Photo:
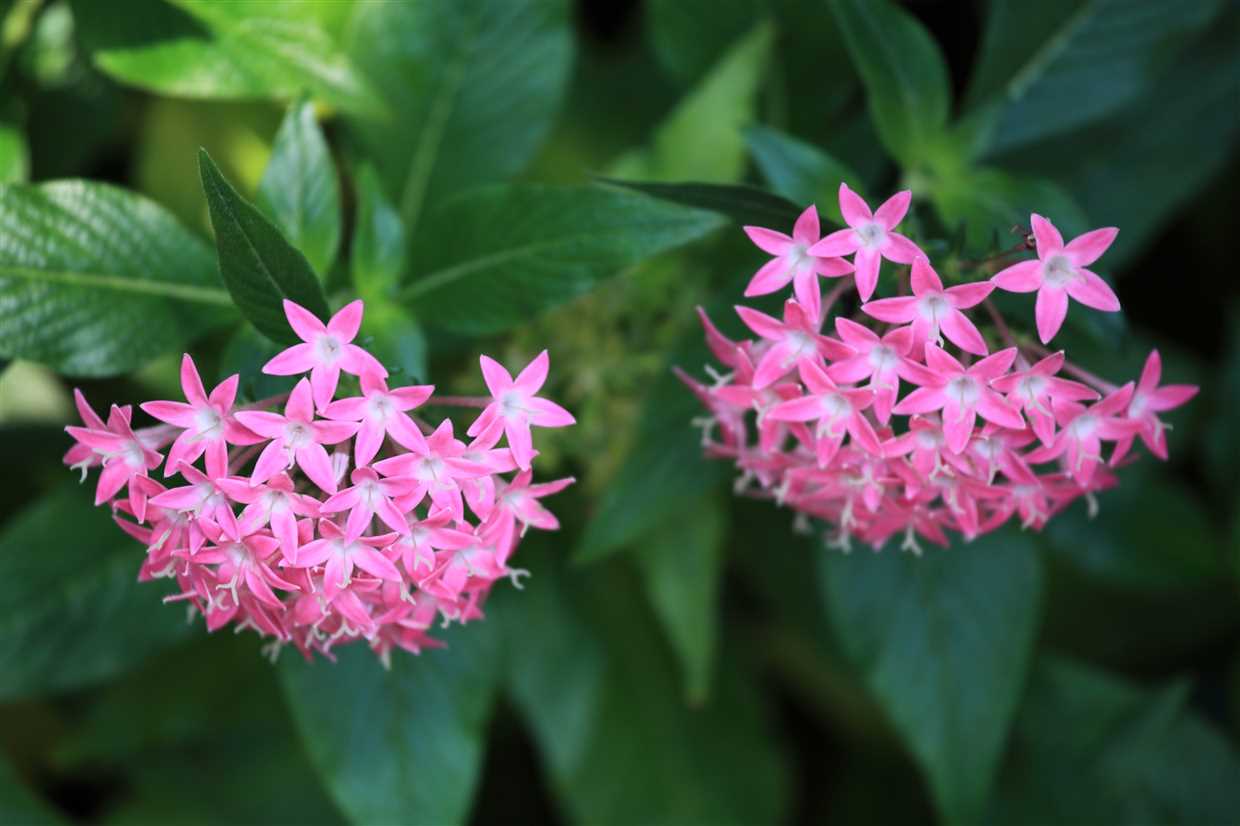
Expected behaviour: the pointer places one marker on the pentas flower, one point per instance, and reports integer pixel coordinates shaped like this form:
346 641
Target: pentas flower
1060 272
335 520
516 406
823 427
935 311
869 237
793 262
326 350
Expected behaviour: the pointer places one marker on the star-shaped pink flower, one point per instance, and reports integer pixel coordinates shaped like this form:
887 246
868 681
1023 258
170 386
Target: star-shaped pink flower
836 410
339 553
208 422
881 360
793 262
963 394
370 496
1060 272
1148 400
381 412
870 236
794 340
1035 390
1082 430
296 438
275 503
325 350
517 407
933 310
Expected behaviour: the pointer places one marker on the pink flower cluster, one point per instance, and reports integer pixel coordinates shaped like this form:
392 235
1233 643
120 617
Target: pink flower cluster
318 520
818 423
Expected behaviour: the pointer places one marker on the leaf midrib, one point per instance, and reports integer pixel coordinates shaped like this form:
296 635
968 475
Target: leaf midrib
120 283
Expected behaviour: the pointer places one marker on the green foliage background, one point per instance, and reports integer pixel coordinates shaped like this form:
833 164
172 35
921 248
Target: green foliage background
504 175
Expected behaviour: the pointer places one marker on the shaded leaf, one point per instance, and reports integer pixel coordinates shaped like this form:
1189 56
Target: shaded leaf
472 88
944 642
682 563
904 73
701 140
496 257
245 353
14 154
377 257
1075 61
742 204
237 50
406 741
299 190
260 268
96 281
72 609
20 805
800 172
1113 753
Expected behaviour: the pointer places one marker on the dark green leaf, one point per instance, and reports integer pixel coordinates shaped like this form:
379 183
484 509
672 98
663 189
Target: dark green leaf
498 256
682 562
395 337
14 155
96 281
399 743
1149 534
598 687
236 50
299 190
1090 748
72 609
1075 61
259 266
245 353
473 88
904 73
802 173
944 641
19 805
702 139
743 204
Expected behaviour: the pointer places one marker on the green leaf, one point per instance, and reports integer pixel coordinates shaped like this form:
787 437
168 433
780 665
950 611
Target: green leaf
20 805
1076 61
391 744
260 268
690 37
702 140
96 281
598 687
682 563
245 353
395 337
1137 168
473 88
498 256
1113 753
14 154
377 257
237 50
1149 535
944 642
987 203
904 73
72 607
299 190
742 204
802 173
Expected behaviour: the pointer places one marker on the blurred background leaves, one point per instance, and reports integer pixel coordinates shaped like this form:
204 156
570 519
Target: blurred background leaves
508 175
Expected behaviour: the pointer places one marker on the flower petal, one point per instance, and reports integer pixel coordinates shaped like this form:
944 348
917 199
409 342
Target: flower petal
304 323
1052 307
1024 277
768 240
892 310
1048 238
866 262
856 211
1084 250
894 209
1092 291
345 324
807 229
840 242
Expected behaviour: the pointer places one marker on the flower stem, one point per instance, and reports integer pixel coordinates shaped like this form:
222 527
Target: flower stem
459 401
1081 373
1000 324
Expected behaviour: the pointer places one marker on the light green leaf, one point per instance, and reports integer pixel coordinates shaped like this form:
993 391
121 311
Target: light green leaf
236 50
1075 61
904 73
802 173
496 257
259 266
96 281
742 204
1113 753
944 642
394 336
14 155
399 743
72 611
702 140
472 88
682 563
245 353
377 257
299 190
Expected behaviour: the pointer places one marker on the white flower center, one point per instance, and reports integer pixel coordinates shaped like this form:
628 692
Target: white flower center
802 343
1083 426
328 349
512 403
379 407
297 434
836 406
882 358
963 390
1059 270
208 422
1032 388
933 306
872 234
798 255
